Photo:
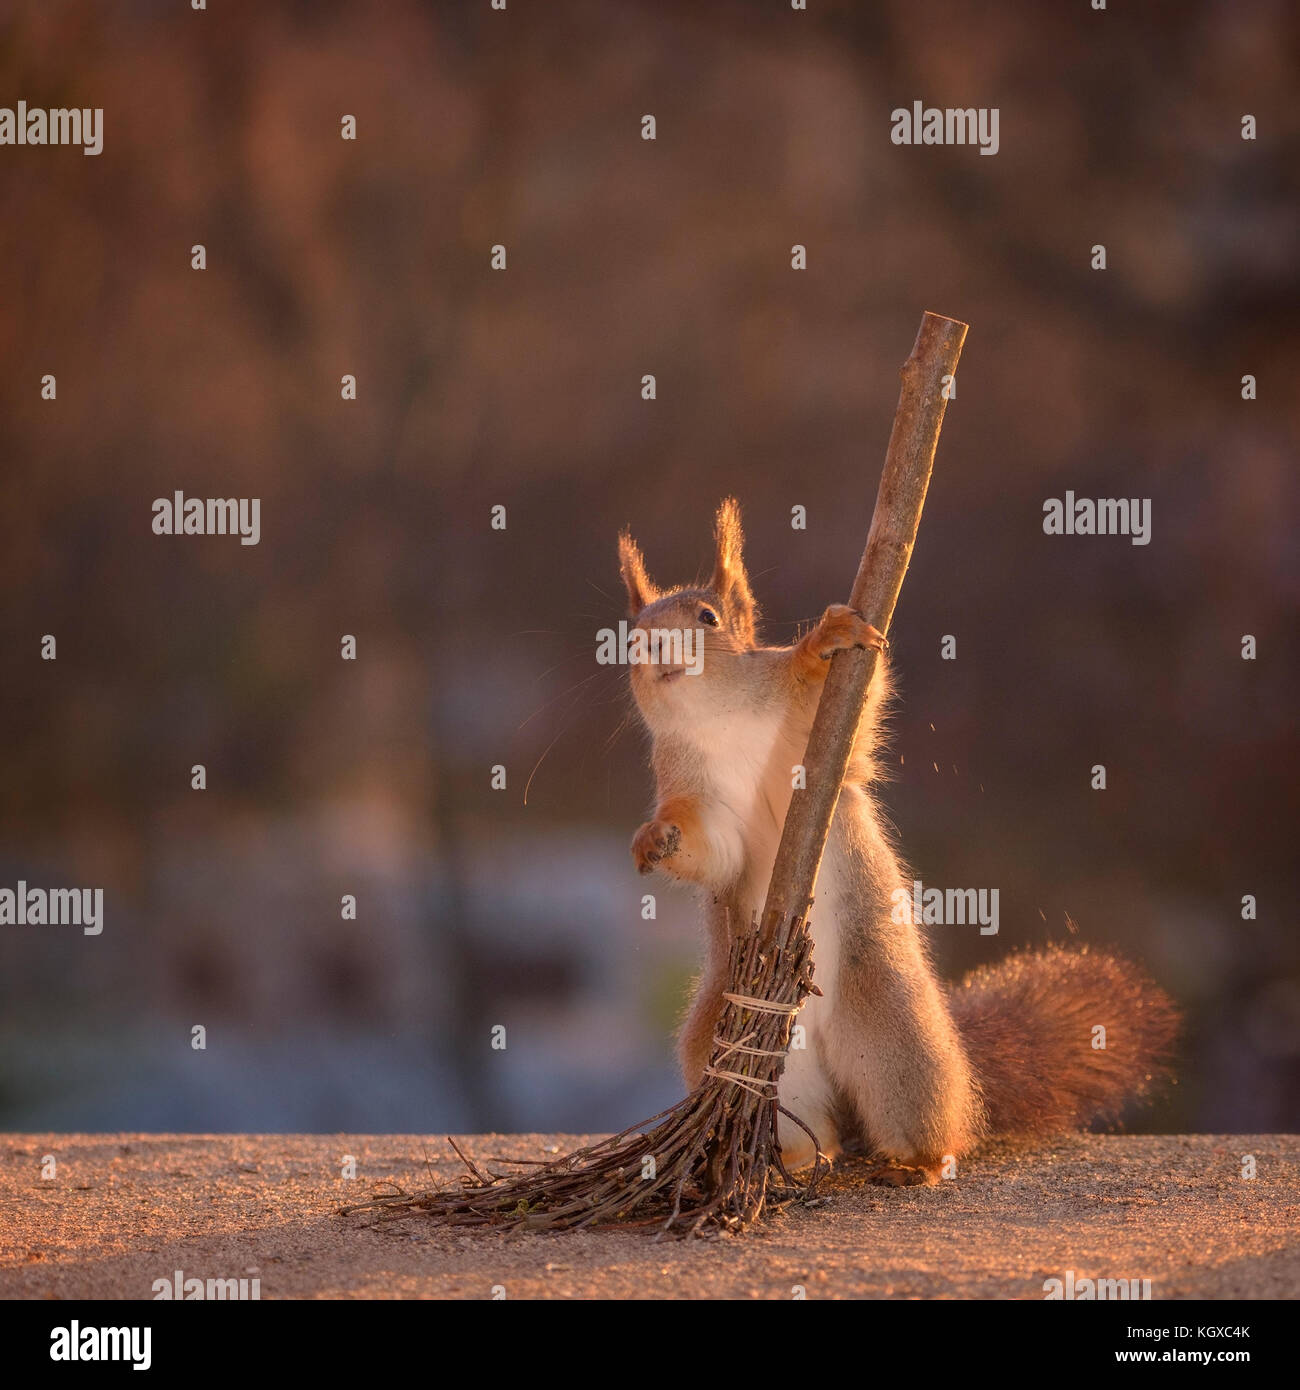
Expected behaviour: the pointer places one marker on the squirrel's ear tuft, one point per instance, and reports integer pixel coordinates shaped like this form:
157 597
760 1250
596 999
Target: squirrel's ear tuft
730 582
631 565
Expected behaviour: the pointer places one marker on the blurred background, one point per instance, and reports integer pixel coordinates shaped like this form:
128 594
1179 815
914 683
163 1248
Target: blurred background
477 388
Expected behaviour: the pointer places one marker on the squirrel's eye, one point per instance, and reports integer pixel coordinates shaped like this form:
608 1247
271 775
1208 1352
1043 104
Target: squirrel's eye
707 615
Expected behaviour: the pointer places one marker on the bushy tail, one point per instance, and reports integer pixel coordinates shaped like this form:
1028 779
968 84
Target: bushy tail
1028 1025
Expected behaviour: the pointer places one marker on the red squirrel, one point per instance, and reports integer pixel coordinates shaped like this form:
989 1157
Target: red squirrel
915 1072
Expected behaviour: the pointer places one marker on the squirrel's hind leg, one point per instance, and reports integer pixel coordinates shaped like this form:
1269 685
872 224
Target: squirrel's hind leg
895 1056
889 1044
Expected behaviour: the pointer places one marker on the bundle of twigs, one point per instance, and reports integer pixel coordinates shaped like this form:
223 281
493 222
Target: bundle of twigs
712 1161
706 1162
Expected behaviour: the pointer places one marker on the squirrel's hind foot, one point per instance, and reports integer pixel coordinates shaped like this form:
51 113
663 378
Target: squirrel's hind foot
902 1175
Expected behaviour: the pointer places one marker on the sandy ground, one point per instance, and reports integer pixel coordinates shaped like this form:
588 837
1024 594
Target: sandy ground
124 1210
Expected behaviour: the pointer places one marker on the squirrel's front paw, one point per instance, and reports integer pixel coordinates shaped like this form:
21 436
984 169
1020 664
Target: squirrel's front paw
655 841
841 628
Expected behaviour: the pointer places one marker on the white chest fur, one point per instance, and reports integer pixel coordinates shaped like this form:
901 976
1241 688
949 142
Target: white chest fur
750 772
746 765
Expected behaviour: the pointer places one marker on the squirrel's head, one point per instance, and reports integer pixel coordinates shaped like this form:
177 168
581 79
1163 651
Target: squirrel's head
689 637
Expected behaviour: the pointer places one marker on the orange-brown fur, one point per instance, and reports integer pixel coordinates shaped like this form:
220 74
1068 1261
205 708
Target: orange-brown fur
1021 1021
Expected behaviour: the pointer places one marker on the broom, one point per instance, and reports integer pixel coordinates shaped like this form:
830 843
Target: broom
712 1162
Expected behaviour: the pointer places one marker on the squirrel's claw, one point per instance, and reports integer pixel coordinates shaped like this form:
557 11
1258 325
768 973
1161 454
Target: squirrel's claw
875 639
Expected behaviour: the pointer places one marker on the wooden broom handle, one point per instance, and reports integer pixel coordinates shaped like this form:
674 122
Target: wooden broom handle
894 524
